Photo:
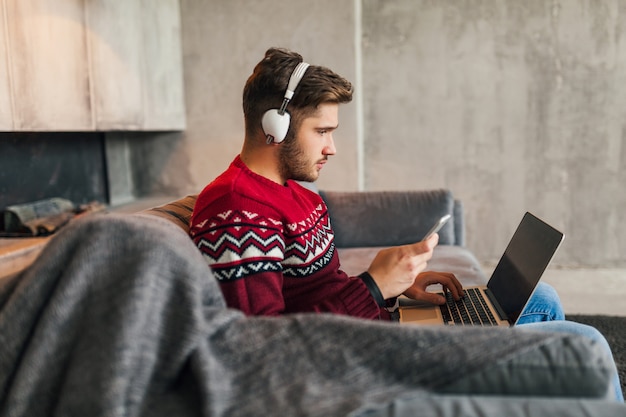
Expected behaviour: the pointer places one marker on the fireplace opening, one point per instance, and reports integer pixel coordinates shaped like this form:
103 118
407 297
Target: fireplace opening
114 168
41 165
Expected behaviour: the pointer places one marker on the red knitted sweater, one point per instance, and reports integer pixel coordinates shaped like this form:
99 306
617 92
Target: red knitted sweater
271 248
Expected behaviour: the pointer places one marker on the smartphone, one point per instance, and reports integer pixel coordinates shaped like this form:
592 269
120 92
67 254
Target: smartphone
437 226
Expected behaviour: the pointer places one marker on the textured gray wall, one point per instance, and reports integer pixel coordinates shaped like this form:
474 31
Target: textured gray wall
514 105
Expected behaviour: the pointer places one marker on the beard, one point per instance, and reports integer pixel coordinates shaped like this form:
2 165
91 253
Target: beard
294 164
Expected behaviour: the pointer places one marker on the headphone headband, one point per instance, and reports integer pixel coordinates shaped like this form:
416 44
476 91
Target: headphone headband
295 78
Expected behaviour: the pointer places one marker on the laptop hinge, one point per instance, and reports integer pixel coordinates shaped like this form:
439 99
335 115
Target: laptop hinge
496 305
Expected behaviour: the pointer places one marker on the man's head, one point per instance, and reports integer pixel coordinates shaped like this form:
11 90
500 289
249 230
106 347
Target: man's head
265 89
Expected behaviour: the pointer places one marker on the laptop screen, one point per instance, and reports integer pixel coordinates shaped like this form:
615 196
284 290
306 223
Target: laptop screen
524 261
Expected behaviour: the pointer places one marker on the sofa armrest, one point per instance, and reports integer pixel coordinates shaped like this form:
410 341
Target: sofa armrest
389 218
179 211
433 405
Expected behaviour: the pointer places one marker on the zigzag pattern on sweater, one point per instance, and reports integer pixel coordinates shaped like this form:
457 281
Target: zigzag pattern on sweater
238 244
234 272
228 273
305 270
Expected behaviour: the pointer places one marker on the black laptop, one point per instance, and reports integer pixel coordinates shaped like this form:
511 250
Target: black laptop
511 285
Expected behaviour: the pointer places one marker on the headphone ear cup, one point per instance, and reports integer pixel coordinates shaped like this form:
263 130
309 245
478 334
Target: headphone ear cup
275 124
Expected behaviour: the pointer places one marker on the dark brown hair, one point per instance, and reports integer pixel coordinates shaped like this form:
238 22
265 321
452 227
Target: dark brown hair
265 89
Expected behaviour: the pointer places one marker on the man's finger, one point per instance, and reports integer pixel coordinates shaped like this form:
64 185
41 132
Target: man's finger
424 246
454 286
447 280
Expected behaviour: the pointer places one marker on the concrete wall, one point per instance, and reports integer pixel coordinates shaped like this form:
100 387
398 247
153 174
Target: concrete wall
514 105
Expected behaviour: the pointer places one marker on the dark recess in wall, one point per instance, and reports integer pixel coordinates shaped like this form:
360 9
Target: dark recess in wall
39 165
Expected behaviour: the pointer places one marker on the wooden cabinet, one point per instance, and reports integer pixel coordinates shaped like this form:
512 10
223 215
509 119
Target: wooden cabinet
85 65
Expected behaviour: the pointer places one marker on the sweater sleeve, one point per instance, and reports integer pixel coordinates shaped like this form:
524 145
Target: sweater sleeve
353 299
261 294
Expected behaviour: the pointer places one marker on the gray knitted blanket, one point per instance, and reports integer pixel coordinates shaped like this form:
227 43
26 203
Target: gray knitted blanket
120 316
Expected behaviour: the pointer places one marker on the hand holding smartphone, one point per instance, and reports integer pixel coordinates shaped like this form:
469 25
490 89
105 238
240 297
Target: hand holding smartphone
437 226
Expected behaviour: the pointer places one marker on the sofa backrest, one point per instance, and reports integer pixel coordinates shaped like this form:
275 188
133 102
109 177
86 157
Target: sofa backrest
365 218
390 218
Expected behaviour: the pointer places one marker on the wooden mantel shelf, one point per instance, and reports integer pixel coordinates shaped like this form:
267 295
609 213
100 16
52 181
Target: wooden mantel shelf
18 253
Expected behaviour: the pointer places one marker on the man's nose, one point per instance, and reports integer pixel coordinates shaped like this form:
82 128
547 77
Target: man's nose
330 149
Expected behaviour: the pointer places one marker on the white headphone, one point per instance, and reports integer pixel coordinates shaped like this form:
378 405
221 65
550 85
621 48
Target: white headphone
275 122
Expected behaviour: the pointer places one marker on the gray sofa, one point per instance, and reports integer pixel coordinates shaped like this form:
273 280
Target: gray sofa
120 316
366 221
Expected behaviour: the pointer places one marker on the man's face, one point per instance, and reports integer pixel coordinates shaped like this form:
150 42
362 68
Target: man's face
302 158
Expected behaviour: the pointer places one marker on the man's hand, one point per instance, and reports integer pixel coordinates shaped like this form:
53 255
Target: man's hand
395 269
449 282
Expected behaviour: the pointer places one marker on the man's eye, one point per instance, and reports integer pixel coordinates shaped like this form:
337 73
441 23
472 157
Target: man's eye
322 132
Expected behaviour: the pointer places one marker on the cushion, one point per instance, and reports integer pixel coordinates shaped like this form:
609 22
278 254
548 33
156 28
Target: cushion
446 258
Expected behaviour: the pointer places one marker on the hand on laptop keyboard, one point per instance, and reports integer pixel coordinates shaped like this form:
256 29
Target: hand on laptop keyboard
449 282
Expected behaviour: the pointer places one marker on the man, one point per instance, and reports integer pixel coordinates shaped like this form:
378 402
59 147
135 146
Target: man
268 239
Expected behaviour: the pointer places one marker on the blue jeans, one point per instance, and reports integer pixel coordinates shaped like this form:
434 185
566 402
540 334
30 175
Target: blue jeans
544 312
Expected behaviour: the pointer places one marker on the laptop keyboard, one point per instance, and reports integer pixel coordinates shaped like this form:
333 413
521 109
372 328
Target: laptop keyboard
470 310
